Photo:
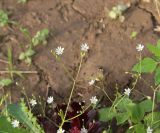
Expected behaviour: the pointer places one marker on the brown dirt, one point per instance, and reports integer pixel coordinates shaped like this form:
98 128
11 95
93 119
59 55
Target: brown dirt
71 23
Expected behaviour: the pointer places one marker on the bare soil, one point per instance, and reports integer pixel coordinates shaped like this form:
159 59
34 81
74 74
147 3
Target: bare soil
73 22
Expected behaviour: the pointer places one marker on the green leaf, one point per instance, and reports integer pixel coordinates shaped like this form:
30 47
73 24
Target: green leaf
5 82
22 56
28 60
106 114
40 37
156 119
3 18
6 127
26 33
154 50
146 105
147 65
121 118
139 128
30 52
135 112
22 114
157 76
122 104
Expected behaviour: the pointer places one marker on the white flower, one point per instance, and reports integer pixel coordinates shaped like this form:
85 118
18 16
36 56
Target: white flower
149 130
15 123
140 47
127 91
33 102
59 50
94 100
60 130
84 47
50 100
91 82
83 130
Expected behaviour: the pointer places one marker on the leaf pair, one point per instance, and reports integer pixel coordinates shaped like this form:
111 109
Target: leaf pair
40 37
27 55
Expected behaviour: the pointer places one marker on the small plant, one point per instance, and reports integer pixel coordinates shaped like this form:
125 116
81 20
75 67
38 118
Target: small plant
39 38
117 12
3 18
133 35
11 71
63 115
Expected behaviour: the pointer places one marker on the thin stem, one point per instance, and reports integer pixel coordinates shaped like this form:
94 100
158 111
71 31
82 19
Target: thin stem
24 93
51 121
140 58
16 71
147 83
134 85
10 62
42 108
77 115
140 93
73 87
153 105
119 101
104 93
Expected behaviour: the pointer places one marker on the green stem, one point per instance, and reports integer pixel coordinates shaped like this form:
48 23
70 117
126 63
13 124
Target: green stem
104 93
77 115
153 105
73 87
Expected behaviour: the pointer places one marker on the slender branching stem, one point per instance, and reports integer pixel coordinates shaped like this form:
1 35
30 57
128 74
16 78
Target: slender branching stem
78 114
72 90
104 93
